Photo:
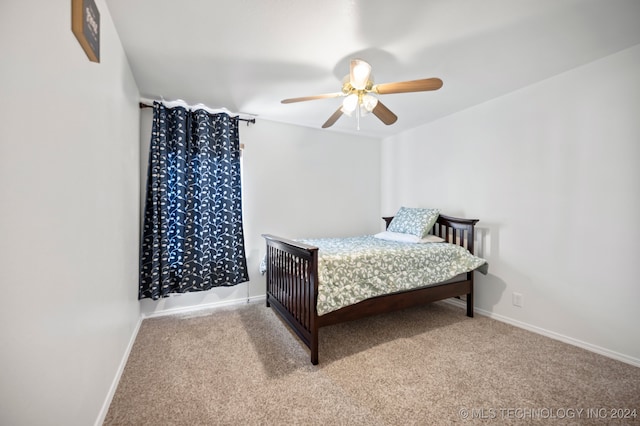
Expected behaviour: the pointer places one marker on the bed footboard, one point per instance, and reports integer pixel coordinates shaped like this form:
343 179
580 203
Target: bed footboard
292 271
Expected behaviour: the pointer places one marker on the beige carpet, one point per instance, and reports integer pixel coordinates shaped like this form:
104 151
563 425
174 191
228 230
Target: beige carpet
422 366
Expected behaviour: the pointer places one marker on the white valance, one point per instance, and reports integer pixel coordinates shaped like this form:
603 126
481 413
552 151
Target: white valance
181 103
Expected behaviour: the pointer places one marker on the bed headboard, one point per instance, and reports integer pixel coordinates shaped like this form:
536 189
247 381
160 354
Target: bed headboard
454 230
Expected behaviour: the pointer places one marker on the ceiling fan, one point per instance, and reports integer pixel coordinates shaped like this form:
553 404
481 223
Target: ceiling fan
359 90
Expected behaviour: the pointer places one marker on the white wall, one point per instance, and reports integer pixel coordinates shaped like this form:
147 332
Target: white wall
297 182
553 173
69 184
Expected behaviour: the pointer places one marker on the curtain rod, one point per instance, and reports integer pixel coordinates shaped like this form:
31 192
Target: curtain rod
248 120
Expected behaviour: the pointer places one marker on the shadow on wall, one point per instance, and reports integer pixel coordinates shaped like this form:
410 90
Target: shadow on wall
489 288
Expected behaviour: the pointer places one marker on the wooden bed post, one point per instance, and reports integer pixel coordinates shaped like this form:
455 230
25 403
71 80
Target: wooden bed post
313 278
470 299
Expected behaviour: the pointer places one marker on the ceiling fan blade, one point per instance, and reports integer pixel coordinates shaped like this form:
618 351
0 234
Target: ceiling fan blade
422 85
311 98
384 114
334 117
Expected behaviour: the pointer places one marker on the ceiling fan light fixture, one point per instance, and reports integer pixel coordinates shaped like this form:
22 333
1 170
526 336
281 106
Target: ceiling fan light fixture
360 94
349 104
369 102
360 72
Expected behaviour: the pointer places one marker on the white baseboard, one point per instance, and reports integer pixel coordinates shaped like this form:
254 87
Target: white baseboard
552 334
206 306
114 384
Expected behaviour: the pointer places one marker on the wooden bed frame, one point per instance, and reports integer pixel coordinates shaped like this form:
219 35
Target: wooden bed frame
292 284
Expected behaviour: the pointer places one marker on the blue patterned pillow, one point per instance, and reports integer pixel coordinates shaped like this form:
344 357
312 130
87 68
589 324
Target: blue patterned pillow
414 221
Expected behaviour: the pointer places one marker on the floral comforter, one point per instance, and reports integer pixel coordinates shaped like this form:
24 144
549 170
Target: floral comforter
353 269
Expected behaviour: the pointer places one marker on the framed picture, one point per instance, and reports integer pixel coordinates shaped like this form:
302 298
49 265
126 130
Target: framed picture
85 24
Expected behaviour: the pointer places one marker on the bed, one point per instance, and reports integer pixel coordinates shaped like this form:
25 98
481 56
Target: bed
294 286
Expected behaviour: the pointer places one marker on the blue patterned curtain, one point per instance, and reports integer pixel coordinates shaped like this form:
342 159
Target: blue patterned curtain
192 236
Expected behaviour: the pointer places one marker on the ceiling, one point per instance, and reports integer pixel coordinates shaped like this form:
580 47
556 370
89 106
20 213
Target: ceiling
248 55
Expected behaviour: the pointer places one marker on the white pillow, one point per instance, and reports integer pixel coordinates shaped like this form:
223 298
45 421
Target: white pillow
397 236
407 238
431 239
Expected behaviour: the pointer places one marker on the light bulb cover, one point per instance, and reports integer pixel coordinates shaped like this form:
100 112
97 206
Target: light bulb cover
369 102
359 74
350 103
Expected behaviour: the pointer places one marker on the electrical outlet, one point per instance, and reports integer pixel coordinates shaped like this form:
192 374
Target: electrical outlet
517 299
